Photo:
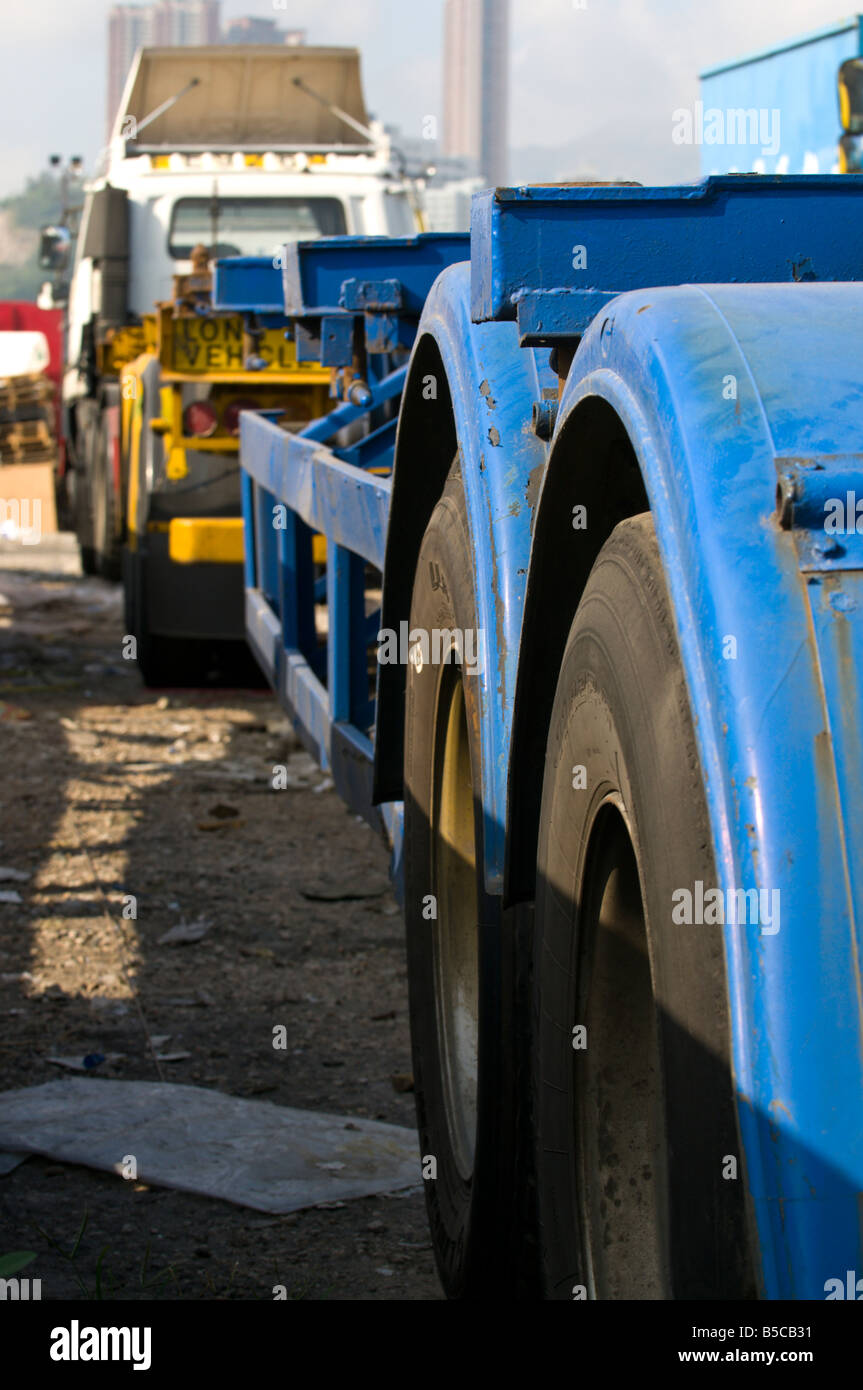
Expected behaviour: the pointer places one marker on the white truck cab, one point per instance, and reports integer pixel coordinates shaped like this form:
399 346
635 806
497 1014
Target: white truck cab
241 149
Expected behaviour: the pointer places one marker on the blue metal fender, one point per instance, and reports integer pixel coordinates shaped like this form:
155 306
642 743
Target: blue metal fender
492 385
725 392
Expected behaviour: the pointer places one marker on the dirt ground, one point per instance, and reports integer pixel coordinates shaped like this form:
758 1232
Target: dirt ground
111 790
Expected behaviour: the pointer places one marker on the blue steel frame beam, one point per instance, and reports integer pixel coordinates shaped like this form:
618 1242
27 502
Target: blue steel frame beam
551 258
248 285
339 274
350 506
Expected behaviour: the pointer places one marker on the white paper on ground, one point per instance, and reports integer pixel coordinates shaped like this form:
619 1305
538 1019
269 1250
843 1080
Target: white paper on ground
250 1152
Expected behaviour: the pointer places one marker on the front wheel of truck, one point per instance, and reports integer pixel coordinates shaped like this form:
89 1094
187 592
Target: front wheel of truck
106 507
640 1174
79 484
161 660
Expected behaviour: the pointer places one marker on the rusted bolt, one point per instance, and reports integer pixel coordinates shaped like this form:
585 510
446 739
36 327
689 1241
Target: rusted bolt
544 417
786 496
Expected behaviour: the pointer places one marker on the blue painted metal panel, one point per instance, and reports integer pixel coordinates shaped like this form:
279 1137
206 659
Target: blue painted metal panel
549 257
316 272
777 725
248 284
336 340
799 82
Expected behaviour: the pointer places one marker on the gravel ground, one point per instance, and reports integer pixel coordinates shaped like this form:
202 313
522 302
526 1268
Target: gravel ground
112 791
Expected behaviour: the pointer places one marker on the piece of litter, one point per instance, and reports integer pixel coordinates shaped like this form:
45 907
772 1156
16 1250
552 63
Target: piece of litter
324 786
13 876
340 890
383 1270
159 1039
87 1063
249 1152
185 933
172 1056
9 895
333 1167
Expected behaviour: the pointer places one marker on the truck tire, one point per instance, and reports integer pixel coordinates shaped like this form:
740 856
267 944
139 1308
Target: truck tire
106 522
452 927
162 661
80 503
634 1118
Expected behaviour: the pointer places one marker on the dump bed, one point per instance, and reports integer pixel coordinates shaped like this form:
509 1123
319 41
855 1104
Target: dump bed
244 96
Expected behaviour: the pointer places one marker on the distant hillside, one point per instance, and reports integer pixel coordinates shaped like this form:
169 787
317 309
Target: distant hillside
21 216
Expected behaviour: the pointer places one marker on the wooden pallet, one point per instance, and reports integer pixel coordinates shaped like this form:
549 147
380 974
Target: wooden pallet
25 432
16 391
38 451
38 410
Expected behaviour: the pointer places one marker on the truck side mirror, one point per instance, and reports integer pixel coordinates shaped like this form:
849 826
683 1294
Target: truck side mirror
54 247
851 154
851 96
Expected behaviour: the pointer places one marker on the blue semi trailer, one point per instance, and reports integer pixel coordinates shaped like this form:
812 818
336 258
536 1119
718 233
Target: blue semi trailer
592 661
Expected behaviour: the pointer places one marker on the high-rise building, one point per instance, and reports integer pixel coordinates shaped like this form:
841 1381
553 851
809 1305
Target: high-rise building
129 27
252 29
476 84
169 22
186 22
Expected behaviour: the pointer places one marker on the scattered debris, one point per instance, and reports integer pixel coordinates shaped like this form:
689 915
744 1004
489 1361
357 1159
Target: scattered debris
345 890
185 933
13 712
88 1063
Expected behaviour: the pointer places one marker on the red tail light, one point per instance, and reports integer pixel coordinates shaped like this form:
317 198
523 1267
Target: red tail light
200 419
231 417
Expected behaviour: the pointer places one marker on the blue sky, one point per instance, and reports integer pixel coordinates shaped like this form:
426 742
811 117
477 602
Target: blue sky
593 82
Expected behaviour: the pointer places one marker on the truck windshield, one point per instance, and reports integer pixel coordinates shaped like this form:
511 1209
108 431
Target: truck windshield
250 226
